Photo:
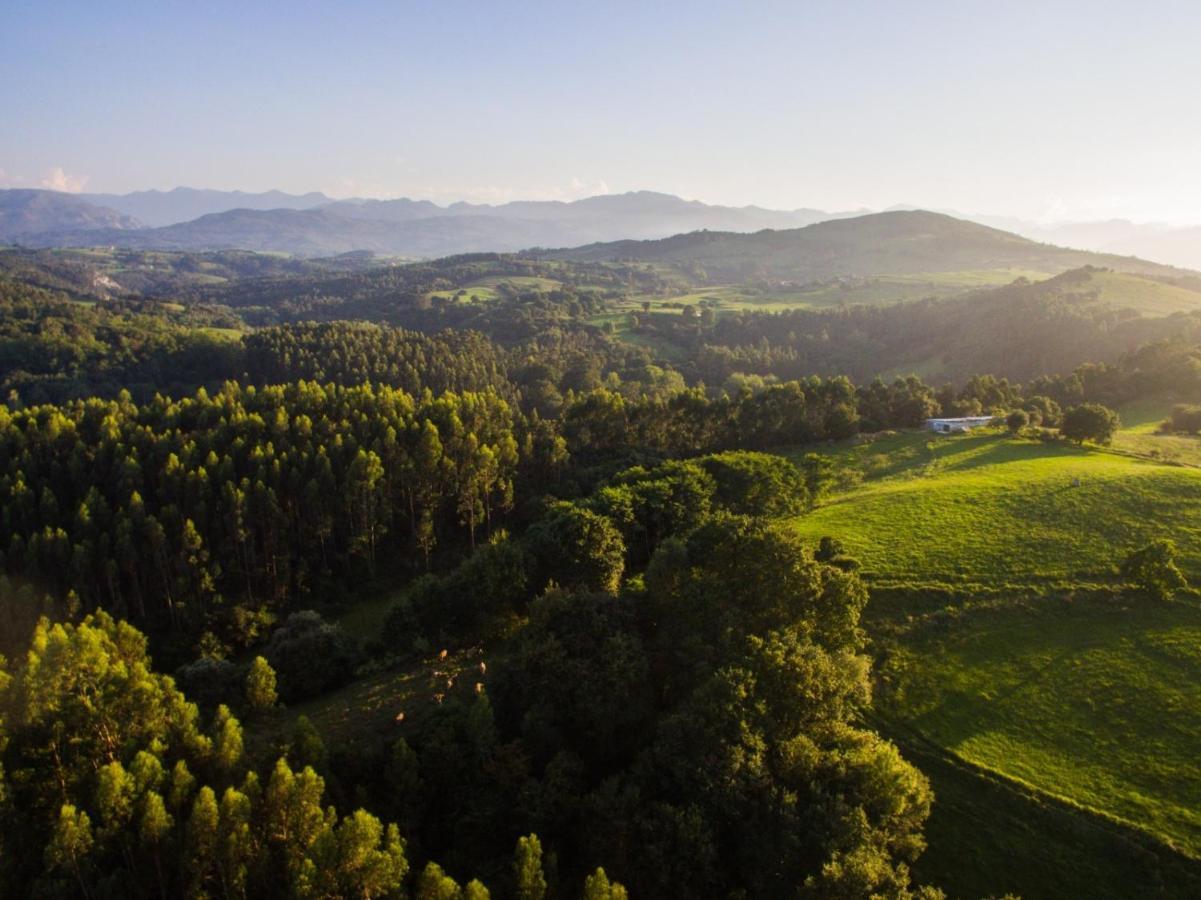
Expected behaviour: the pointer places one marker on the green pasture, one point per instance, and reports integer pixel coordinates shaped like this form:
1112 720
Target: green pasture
1095 702
986 508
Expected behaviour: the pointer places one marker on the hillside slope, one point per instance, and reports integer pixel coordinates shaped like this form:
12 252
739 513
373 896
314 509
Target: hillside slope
1006 638
901 242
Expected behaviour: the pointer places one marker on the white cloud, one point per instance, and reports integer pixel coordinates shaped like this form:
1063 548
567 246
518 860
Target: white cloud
8 180
58 180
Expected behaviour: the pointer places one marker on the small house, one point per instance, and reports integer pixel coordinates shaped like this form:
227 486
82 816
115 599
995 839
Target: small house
957 426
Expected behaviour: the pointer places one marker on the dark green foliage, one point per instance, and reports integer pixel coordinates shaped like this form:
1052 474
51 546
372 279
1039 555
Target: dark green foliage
1089 422
209 682
159 512
1017 420
1153 569
576 549
1043 411
579 683
1184 420
475 600
310 656
756 484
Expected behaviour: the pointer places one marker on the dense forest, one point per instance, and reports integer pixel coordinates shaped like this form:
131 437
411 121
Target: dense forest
635 676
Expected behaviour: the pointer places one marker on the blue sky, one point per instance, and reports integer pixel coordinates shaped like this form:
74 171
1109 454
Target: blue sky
1059 110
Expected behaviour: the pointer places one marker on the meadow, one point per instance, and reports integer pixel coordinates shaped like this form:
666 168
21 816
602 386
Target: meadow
1054 710
485 290
989 509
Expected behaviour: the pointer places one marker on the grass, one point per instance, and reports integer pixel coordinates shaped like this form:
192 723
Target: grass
1140 434
1152 298
1059 730
987 836
485 290
989 509
1094 702
837 292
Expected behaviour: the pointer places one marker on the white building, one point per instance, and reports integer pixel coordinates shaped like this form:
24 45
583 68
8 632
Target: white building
957 426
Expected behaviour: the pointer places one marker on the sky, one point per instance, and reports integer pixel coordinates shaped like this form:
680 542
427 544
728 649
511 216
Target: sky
1049 110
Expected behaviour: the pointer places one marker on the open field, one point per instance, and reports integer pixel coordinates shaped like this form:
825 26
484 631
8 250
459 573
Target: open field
1096 702
487 289
1086 709
1150 297
987 836
867 290
989 509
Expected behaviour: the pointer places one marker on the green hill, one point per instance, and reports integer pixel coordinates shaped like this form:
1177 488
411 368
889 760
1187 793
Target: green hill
890 243
987 509
1005 641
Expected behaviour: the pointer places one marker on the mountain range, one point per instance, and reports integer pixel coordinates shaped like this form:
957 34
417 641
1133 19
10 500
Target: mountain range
315 225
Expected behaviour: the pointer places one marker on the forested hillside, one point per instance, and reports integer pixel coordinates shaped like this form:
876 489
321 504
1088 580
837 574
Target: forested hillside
555 575
877 244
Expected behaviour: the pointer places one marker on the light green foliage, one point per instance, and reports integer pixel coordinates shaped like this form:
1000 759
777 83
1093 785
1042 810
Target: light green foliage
70 842
227 740
260 685
360 858
434 884
598 887
528 878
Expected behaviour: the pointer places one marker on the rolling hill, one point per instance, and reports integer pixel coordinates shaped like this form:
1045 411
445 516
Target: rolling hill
889 243
1007 644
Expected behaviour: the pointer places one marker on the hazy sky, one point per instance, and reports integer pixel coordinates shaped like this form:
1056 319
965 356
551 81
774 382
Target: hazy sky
1060 110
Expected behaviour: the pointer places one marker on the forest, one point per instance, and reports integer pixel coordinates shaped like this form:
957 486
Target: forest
618 641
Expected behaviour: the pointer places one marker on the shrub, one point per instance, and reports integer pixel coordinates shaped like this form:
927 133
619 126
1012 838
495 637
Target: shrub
209 682
1153 568
1017 420
1185 419
310 656
1090 422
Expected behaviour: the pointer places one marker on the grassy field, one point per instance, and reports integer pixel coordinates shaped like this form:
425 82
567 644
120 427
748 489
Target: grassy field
1152 298
1059 729
488 289
869 290
1096 702
988 836
989 509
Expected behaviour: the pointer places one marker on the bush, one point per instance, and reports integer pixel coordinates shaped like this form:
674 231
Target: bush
310 656
1185 420
1090 422
476 601
1153 568
209 682
1017 420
